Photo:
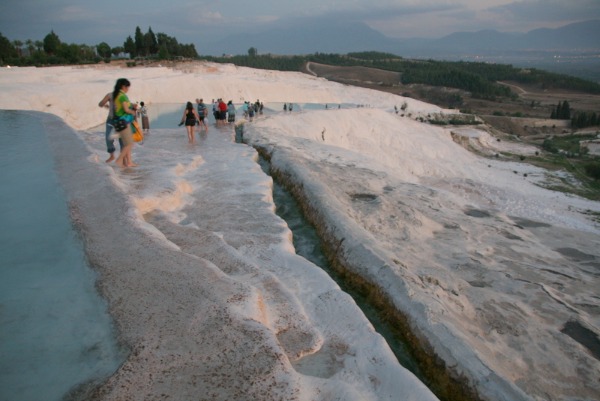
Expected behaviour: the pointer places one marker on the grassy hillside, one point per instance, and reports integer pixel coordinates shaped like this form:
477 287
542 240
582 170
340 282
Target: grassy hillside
480 79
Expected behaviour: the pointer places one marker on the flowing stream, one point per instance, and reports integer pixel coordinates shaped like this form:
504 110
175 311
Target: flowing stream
308 245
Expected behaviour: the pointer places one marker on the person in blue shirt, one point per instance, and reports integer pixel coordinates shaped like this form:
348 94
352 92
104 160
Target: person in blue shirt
202 114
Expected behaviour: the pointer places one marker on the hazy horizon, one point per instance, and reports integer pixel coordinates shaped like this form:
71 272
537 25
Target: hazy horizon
86 22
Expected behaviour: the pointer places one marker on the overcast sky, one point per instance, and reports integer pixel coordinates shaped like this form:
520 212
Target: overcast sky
192 21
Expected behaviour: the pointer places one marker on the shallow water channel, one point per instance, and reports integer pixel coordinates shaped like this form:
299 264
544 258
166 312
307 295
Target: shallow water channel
308 245
55 331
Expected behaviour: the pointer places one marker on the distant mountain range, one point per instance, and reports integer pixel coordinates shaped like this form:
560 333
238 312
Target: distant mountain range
581 36
304 36
307 36
537 48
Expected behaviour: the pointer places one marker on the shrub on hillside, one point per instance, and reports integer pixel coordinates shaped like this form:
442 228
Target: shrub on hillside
593 169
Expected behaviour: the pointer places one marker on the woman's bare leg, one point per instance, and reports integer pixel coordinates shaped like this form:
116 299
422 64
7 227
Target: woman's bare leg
124 156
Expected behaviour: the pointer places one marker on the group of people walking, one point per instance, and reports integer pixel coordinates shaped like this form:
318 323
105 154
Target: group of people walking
122 113
223 113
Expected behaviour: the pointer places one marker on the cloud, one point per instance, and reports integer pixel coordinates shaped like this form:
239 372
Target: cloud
549 10
440 19
389 10
74 13
417 20
111 21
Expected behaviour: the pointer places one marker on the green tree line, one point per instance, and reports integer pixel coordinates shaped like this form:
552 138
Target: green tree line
562 111
579 119
481 79
44 52
584 119
51 50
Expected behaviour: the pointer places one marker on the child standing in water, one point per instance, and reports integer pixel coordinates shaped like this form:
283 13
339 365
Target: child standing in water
143 111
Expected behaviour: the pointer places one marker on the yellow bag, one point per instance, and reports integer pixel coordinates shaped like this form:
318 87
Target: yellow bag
138 136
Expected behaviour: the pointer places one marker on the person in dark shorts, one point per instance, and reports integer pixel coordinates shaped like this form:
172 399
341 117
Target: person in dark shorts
189 118
222 109
230 112
202 114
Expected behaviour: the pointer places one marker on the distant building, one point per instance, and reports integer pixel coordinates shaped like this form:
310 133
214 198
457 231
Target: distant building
121 56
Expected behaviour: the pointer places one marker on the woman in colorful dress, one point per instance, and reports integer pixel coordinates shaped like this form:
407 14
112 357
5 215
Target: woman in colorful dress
124 111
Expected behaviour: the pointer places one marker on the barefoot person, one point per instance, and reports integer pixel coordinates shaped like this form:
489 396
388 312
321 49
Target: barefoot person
124 111
230 112
202 114
107 101
190 117
143 112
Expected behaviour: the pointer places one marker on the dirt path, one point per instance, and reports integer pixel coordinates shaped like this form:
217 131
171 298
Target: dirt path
519 90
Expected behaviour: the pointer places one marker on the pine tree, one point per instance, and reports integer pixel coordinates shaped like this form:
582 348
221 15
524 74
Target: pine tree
559 111
139 42
562 111
150 42
7 50
51 43
129 46
566 111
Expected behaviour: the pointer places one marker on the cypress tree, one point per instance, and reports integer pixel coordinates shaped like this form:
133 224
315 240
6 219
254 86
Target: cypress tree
51 43
139 42
566 111
129 46
150 42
